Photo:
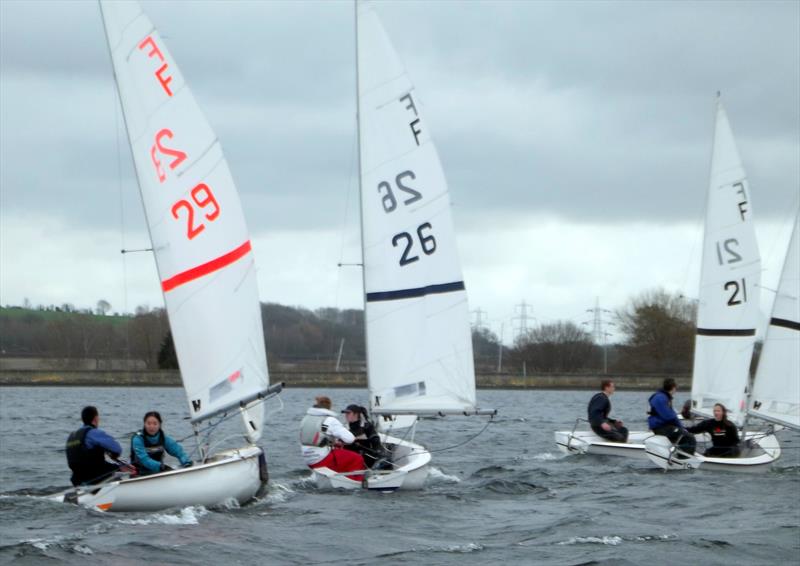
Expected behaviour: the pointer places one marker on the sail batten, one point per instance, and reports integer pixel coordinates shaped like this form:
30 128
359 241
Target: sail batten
195 220
419 343
727 313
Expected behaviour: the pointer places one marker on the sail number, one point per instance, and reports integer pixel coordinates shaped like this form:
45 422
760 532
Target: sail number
730 254
177 156
427 243
389 200
203 198
738 290
160 74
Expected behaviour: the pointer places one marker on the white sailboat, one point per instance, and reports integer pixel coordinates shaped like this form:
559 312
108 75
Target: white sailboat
727 311
205 264
419 343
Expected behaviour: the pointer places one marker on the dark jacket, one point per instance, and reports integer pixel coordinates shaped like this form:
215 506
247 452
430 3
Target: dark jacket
661 411
86 448
724 434
599 409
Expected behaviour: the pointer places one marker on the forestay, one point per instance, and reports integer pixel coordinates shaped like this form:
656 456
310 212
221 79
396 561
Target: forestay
419 350
729 284
197 228
776 391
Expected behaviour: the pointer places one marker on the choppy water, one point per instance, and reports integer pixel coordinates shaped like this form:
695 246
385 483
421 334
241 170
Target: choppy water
508 496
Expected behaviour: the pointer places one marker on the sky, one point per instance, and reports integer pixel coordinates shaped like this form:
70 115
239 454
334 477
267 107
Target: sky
575 137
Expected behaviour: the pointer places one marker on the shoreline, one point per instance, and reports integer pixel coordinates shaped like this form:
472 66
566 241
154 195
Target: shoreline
317 379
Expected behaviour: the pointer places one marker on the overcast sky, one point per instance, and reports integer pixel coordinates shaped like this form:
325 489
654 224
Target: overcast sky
575 137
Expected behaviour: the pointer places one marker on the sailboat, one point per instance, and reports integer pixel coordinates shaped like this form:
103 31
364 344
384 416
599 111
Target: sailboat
727 311
419 342
205 264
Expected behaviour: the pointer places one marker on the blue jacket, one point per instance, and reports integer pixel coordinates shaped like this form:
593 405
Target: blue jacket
151 465
661 412
99 438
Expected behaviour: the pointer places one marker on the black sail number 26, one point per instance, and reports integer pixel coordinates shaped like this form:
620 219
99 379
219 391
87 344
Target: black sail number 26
426 242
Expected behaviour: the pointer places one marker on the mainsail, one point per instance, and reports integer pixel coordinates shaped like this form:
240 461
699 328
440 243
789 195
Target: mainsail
776 391
419 345
197 228
729 284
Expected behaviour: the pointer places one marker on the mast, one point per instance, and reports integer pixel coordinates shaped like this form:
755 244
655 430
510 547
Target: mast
361 205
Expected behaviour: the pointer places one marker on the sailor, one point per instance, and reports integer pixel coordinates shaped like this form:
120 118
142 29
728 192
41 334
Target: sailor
599 409
149 444
86 449
664 421
322 437
724 434
368 442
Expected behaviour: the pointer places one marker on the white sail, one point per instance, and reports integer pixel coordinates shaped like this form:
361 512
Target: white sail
419 345
776 391
729 284
197 227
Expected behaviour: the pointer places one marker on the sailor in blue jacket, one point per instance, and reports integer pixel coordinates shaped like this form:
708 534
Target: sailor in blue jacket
664 421
86 449
148 447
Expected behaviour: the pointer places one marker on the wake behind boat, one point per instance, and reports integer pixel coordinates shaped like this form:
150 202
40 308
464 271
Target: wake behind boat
205 263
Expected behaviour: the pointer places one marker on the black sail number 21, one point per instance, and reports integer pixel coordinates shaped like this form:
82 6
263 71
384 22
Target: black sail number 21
426 242
735 287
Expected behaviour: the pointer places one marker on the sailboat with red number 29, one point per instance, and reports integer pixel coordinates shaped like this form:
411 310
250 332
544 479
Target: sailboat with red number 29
207 271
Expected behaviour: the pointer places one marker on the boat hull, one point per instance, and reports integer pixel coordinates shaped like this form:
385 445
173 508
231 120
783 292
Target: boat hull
411 463
587 442
231 475
758 456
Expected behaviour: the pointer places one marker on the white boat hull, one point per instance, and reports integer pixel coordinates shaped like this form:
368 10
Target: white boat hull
761 452
587 442
411 462
230 475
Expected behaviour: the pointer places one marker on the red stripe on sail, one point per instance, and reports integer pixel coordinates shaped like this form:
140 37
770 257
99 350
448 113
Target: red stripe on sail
206 268
234 376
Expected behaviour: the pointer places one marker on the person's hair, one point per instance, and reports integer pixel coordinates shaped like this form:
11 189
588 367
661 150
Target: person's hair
724 411
669 384
322 402
155 414
88 414
686 410
605 383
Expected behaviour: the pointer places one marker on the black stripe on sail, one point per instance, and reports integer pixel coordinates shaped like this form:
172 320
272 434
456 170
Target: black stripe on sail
790 324
726 332
417 292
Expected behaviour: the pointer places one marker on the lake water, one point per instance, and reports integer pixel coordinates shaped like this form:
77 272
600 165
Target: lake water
508 496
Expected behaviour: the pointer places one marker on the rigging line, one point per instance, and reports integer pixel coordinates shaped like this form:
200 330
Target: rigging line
225 416
467 441
353 150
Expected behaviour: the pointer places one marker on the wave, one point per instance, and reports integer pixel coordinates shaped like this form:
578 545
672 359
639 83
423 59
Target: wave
186 516
435 475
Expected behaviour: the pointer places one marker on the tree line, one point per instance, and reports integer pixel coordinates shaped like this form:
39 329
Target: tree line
657 337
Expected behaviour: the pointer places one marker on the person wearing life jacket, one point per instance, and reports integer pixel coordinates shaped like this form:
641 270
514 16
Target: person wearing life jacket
149 444
664 421
598 410
322 437
724 434
86 449
368 442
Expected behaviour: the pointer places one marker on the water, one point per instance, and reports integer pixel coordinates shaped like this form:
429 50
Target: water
507 496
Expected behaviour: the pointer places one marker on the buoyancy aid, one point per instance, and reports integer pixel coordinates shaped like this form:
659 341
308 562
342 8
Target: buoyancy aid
313 431
154 449
85 464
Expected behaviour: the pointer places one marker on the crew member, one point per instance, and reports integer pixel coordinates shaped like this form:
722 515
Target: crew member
149 444
599 409
86 449
368 442
322 437
724 434
664 421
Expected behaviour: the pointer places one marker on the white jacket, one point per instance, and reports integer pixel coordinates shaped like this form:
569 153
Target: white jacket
334 429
